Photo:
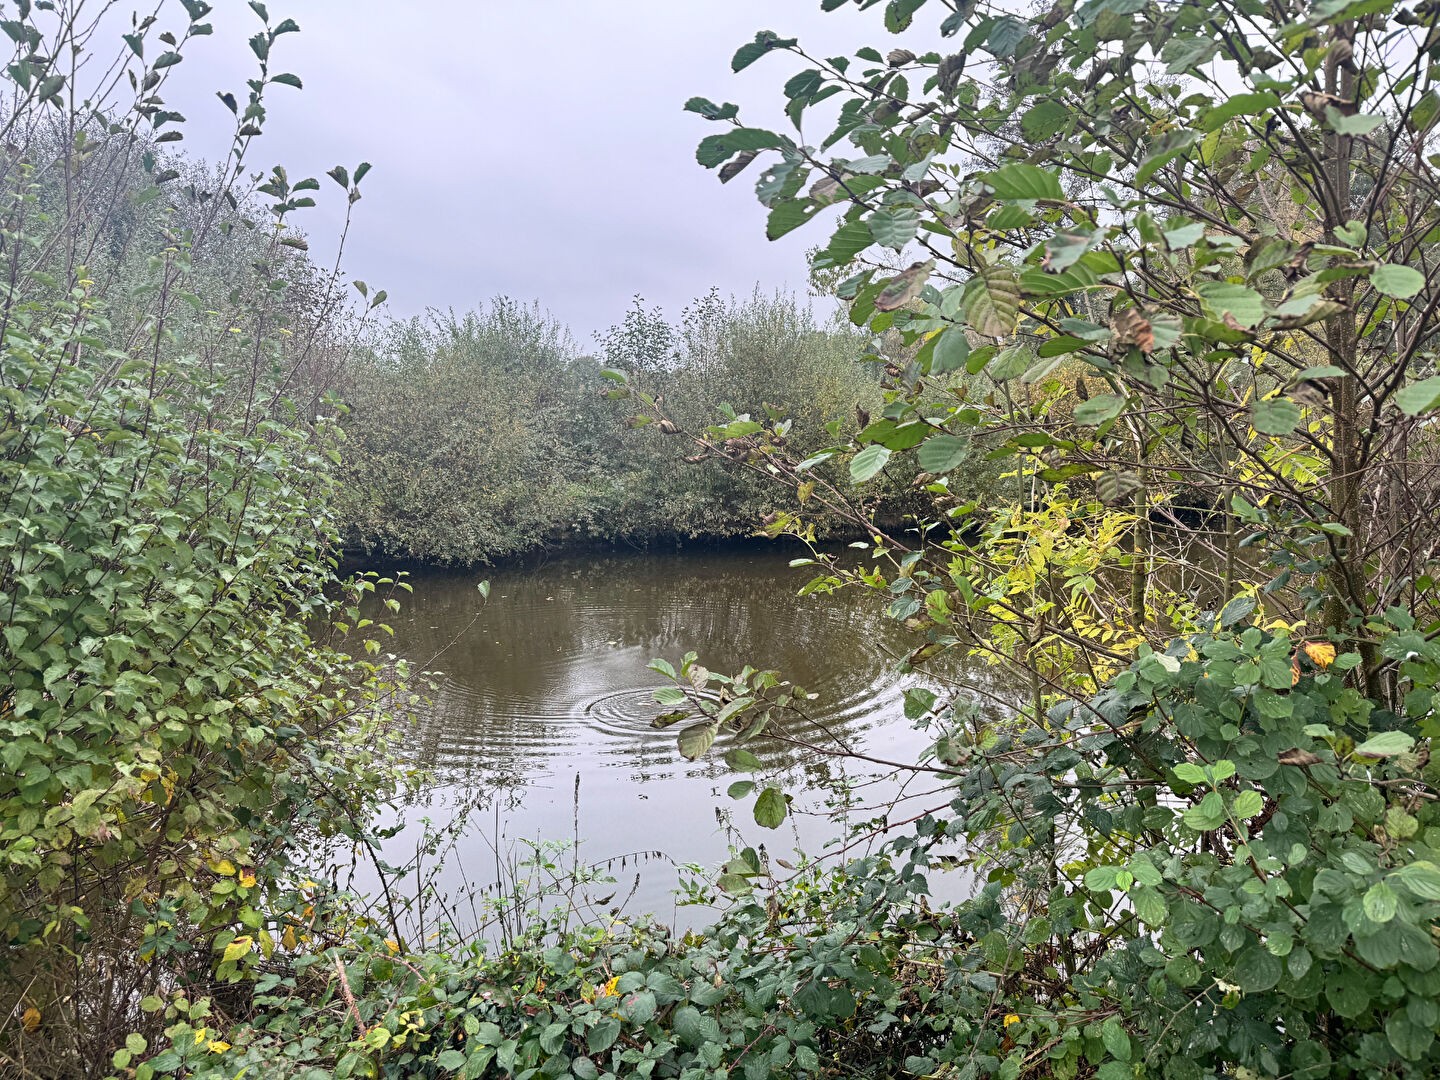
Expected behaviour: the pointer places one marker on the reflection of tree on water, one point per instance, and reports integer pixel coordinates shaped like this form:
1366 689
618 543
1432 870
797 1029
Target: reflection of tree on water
549 680
557 657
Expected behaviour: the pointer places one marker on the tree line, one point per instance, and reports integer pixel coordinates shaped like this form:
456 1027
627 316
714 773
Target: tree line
487 434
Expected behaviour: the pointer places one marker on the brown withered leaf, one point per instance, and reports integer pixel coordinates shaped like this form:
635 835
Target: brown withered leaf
736 167
1130 327
1297 757
904 286
824 189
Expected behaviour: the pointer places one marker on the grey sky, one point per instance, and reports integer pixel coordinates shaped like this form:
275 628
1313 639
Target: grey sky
535 149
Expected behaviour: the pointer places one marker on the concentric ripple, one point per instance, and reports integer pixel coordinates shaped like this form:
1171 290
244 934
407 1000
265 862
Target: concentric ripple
554 667
545 694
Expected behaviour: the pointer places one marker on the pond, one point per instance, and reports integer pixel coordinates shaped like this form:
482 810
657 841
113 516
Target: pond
541 720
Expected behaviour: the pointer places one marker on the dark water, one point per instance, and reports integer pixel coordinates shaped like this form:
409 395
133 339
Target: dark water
545 687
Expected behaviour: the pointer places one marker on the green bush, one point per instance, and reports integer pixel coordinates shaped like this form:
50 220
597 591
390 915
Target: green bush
479 436
183 724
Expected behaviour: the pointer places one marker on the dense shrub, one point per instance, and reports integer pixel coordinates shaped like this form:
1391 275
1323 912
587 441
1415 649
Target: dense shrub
485 435
182 727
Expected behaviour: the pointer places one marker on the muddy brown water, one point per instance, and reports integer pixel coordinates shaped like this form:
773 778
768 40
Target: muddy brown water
541 718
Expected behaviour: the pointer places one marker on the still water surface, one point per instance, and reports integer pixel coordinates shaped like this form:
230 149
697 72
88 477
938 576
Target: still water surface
545 687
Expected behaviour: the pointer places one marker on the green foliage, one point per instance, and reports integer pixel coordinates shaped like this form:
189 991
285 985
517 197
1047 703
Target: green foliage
183 723
1195 310
486 435
1229 263
831 974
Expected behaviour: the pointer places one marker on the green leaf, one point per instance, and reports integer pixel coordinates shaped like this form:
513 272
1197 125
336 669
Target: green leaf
1024 182
1099 408
1117 1042
640 1008
1045 120
952 350
765 41
868 462
771 808
992 301
1421 877
1221 298
1183 236
451 1060
789 215
894 228
1358 124
1101 878
1011 363
1380 903
717 149
709 110
1351 233
1401 282
694 741
743 760
1236 610
1247 804
941 453
1410 1040
1239 105
1190 773
603 1035
1386 744
1275 416
1418 398
1208 814
1257 971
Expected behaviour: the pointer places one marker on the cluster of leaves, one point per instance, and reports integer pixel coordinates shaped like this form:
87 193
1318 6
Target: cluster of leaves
189 703
1183 252
1189 263
826 974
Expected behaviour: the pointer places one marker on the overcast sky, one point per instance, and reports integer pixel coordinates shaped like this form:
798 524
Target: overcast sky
532 148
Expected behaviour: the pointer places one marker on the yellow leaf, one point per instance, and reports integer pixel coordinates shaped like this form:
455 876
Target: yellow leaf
30 1019
392 945
612 987
288 938
237 948
1321 653
218 1046
1011 1019
247 878
224 867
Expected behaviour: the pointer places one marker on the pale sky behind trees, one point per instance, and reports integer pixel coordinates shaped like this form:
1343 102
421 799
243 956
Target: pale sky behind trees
532 148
